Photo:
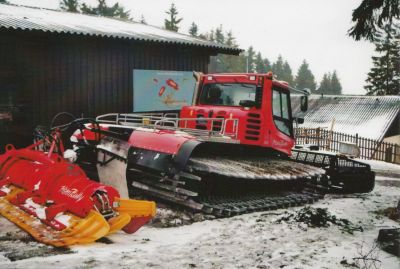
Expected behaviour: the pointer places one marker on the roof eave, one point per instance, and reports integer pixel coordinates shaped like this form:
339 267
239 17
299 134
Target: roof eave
217 49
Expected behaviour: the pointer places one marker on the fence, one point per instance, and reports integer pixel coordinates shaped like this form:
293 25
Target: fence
368 148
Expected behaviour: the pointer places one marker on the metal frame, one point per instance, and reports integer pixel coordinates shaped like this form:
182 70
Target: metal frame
324 159
170 121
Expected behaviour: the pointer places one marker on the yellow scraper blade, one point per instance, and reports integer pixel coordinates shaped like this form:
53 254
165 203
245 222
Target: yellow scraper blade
79 230
118 222
136 208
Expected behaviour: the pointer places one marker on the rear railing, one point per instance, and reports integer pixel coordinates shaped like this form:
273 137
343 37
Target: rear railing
331 160
134 119
171 121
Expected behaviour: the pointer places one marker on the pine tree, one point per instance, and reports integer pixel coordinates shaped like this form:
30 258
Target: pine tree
325 85
214 66
172 22
220 59
223 63
211 36
219 35
3 2
304 78
203 36
232 63
384 76
251 54
230 40
194 30
260 64
277 68
372 15
121 13
70 5
267 65
287 73
336 87
102 9
143 20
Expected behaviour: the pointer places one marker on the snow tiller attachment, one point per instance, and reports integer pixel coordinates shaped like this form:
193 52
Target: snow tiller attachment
55 202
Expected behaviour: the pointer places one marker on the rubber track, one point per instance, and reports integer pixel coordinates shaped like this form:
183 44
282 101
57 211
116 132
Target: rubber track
230 206
226 207
251 170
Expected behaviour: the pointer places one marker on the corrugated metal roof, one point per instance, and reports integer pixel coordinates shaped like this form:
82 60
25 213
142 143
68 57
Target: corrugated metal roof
367 116
53 21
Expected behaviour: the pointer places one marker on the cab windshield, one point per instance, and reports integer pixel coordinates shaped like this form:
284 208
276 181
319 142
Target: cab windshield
227 94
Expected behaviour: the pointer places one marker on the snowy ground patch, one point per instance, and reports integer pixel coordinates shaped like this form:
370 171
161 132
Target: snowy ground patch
383 168
254 240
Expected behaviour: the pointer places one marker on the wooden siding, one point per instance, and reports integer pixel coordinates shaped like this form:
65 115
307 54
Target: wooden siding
86 75
42 74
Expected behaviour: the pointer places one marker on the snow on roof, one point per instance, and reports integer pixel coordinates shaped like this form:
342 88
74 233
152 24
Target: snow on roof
53 21
367 116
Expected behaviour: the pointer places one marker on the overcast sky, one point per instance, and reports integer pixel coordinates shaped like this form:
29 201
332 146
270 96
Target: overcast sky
314 30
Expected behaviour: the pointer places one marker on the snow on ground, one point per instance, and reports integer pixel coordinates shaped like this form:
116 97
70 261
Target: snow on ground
247 241
384 167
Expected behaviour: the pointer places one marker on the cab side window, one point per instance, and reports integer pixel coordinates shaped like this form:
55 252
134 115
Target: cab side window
281 111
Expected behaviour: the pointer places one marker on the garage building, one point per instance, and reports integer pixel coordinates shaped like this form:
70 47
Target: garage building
52 61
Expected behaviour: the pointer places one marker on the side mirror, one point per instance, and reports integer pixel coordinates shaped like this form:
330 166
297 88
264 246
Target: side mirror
247 103
300 120
304 103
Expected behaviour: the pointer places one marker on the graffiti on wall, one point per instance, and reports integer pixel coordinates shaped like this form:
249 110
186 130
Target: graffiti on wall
156 90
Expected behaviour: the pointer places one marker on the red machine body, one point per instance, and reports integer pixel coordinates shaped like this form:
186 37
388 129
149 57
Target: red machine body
165 141
253 111
62 186
266 121
36 184
157 140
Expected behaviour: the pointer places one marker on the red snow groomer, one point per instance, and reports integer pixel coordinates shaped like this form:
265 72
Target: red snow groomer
54 201
229 152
